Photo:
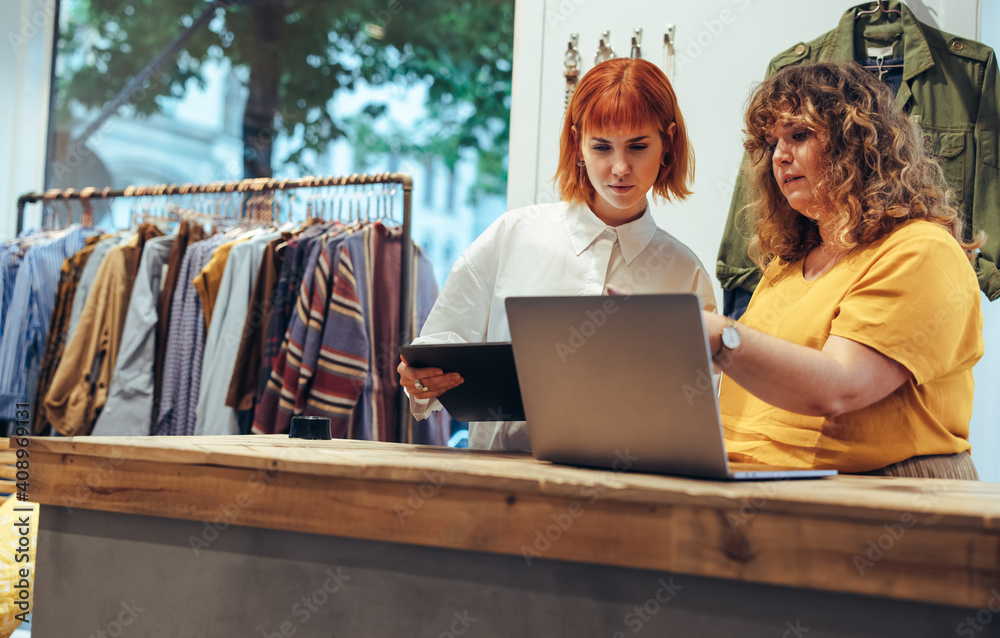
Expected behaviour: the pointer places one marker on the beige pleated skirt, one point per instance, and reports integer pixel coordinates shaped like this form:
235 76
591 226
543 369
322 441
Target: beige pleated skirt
946 466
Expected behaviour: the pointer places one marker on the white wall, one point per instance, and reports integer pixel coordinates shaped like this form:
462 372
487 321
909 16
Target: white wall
25 69
723 48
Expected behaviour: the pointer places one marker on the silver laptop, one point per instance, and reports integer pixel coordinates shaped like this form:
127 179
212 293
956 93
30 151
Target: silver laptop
624 383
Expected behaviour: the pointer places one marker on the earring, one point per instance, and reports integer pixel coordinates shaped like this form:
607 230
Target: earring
581 163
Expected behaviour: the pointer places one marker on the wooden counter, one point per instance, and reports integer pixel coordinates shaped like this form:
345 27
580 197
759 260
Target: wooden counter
926 541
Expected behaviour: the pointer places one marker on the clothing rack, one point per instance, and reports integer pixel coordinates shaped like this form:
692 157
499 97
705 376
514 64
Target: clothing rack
261 186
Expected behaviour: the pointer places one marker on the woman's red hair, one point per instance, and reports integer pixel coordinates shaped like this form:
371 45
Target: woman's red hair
616 97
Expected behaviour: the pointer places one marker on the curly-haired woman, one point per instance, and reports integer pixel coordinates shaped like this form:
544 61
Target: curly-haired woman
856 352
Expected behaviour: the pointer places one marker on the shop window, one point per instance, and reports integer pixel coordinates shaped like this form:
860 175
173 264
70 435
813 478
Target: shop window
283 88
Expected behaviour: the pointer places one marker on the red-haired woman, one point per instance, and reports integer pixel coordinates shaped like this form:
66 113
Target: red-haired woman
856 351
623 136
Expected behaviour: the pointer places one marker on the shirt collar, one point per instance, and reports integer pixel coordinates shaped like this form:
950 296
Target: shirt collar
584 228
916 52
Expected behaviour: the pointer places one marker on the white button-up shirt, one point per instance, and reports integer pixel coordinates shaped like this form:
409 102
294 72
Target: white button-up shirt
550 250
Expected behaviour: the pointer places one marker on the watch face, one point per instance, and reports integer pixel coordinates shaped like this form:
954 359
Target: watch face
731 337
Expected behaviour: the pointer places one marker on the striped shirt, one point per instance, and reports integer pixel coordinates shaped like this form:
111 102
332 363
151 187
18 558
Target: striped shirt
279 401
330 363
10 261
301 256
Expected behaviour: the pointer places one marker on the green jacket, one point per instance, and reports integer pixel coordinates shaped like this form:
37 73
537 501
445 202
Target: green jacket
950 85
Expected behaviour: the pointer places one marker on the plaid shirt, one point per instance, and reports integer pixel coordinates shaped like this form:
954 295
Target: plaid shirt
185 345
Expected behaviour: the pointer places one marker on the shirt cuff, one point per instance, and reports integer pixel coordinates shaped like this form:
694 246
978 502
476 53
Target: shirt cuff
422 408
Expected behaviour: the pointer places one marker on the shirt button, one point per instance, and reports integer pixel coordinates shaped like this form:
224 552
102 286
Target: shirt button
958 45
799 50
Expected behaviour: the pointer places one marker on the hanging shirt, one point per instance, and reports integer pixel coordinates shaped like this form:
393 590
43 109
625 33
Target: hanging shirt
243 385
387 248
87 278
207 281
222 342
347 383
10 261
69 279
128 409
297 357
26 325
330 364
80 385
543 250
185 345
187 234
302 253
950 87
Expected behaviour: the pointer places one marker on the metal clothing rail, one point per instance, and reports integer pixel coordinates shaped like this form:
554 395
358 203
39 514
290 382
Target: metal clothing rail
262 185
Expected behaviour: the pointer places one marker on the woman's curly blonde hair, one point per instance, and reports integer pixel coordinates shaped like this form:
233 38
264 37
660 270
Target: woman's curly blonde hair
876 169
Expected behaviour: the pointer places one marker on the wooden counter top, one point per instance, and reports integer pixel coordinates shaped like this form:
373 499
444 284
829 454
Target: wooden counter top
912 539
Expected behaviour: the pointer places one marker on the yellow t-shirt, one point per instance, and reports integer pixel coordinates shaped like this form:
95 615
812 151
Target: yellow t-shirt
913 296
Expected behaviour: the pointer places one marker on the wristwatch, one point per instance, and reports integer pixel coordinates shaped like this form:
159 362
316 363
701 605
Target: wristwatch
731 339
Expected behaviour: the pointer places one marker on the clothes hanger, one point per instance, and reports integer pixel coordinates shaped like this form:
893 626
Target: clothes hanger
636 51
882 7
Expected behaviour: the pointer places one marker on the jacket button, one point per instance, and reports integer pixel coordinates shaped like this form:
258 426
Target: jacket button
800 49
958 45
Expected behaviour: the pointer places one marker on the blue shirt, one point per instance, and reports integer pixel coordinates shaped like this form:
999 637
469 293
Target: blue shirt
26 322
10 260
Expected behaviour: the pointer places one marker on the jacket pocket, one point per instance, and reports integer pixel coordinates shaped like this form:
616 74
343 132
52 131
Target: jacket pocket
949 146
